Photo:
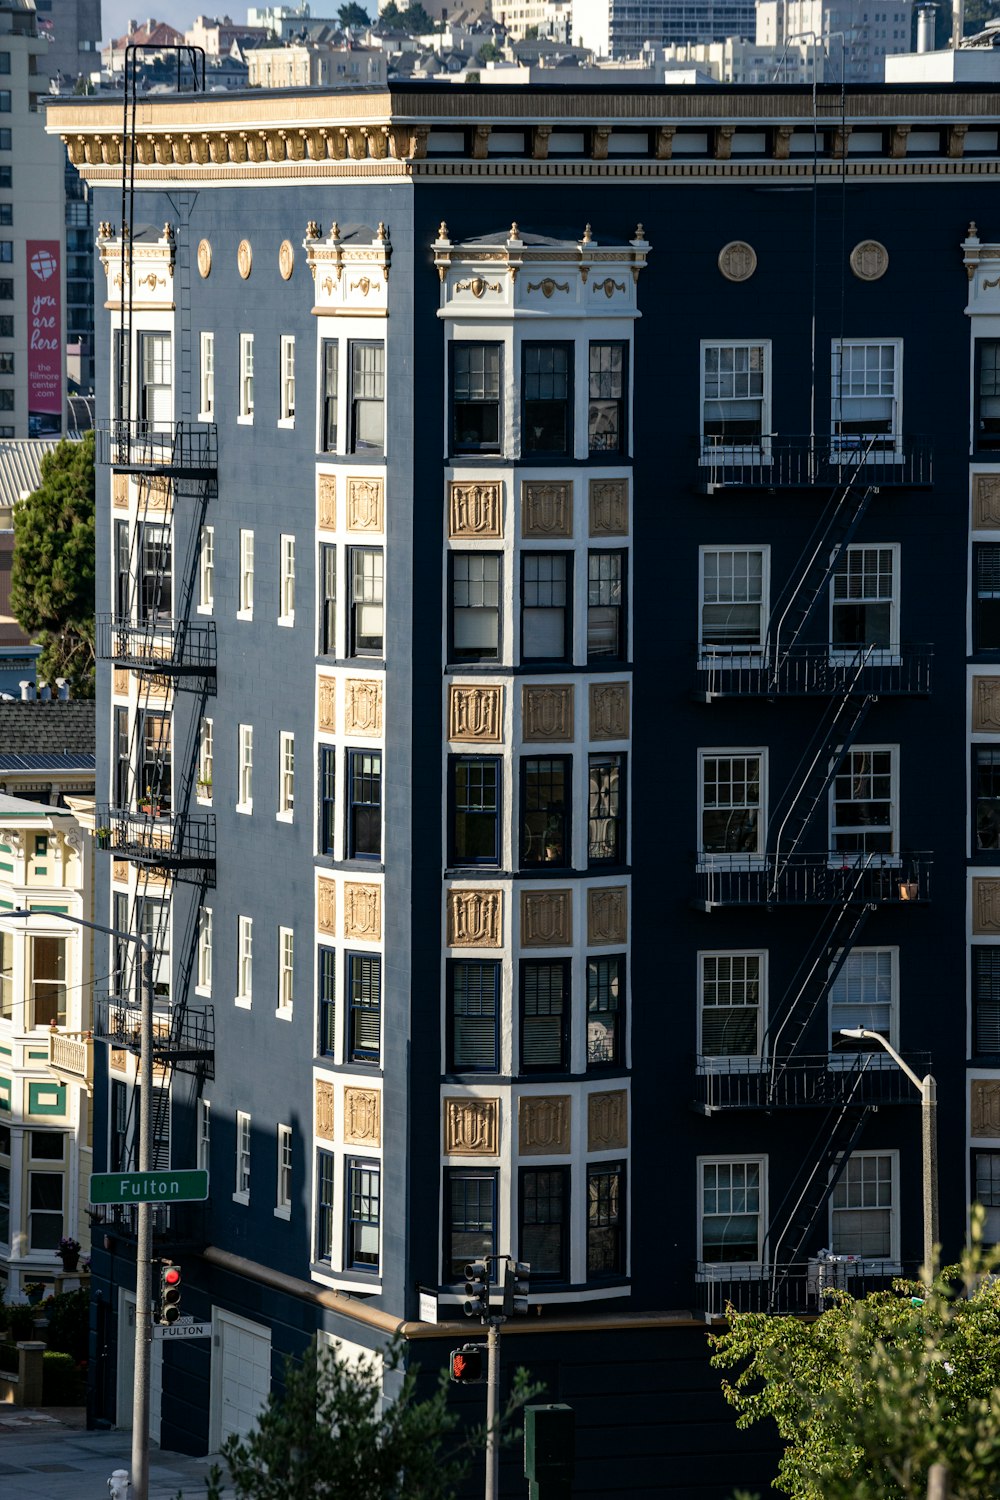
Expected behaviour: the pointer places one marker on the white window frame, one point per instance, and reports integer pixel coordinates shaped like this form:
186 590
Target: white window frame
845 857
244 961
876 1056
204 1134
204 985
246 379
244 769
206 570
887 447
739 860
43 1168
206 383
754 449
878 1260
206 759
709 1270
286 972
286 375
742 648
244 1139
725 1060
286 776
286 579
879 655
245 611
283 1181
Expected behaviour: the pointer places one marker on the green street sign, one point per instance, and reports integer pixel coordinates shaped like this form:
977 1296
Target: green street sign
149 1187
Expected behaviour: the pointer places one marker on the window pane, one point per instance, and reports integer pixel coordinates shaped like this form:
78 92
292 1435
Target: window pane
476 806
731 998
475 1001
471 1203
605 1006
544 1015
543 1219
545 805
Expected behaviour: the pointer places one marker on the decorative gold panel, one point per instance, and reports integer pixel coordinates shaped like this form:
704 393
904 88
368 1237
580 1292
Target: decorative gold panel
119 871
986 704
204 258
119 491
543 1124
328 704
324 1109
475 713
365 504
547 712
363 912
326 906
363 711
607 1121
607 916
546 508
118 1059
158 493
362 1117
244 258
985 905
475 509
986 502
609 710
119 682
608 507
984 1113
471 1127
326 502
286 259
546 919
475 918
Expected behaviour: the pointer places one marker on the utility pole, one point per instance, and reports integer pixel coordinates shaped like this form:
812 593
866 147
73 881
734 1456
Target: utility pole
493 1411
477 1304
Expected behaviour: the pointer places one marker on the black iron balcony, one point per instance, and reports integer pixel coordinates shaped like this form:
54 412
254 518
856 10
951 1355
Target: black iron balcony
797 1288
824 879
164 840
181 1034
180 450
818 671
802 463
182 1227
164 647
759 1083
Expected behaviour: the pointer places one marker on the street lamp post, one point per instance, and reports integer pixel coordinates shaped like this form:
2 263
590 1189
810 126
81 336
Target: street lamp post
144 1225
927 1089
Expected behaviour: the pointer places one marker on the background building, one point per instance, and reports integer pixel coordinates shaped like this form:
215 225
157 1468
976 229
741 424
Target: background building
622 28
72 29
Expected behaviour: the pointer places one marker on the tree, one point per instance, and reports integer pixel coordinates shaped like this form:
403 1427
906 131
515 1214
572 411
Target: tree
330 1436
52 575
489 52
353 14
873 1392
413 21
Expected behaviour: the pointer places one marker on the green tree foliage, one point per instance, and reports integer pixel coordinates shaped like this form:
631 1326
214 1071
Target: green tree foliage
52 576
873 1392
330 1436
489 52
413 21
353 14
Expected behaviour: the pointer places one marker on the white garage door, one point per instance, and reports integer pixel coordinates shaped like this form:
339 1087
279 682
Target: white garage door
241 1374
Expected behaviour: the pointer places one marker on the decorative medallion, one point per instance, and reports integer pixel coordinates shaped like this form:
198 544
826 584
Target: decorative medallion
609 286
547 286
118 1059
543 1124
475 509
244 258
362 1117
119 682
609 705
328 704
869 260
608 507
607 1121
286 259
475 713
985 502
119 491
546 508
119 871
363 912
326 906
470 1127
607 916
478 286
547 712
365 504
986 704
984 1111
324 1109
363 711
326 502
204 258
546 919
985 905
737 260
475 918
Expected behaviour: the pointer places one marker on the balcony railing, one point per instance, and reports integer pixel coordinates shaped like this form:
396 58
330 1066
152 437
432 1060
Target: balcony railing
182 1226
796 1288
164 840
822 879
818 1082
166 647
799 463
71 1055
181 1034
813 671
172 449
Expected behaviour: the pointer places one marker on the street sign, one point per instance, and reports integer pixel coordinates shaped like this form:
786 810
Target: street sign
182 1330
149 1187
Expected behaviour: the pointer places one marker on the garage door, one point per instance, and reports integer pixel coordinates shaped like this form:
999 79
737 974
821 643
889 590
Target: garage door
241 1374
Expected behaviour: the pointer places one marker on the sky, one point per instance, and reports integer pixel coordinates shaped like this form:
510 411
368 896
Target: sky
115 14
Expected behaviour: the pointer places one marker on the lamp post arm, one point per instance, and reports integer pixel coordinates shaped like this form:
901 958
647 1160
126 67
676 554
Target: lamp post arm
876 1036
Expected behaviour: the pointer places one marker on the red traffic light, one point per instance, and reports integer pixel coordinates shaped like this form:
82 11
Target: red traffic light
170 1292
172 1277
466 1364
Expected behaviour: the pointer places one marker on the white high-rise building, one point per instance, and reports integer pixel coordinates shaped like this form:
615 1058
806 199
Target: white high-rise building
859 37
621 28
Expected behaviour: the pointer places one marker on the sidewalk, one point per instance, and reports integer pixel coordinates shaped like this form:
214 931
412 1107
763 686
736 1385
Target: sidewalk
49 1455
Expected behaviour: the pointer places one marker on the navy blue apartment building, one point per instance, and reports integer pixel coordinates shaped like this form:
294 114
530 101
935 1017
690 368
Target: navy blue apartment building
549 574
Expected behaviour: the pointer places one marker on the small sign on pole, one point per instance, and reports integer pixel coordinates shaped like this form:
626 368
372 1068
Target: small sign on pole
182 1330
149 1187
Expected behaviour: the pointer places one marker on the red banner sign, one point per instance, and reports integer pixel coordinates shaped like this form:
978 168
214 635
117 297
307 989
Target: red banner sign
46 379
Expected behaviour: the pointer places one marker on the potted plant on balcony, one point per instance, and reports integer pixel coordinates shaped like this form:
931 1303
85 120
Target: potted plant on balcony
150 805
68 1251
102 836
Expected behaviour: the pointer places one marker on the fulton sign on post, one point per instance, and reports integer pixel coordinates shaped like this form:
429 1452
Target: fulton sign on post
149 1187
45 340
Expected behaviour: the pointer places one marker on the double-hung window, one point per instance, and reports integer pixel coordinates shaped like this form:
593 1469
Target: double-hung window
207 375
244 960
331 367
735 380
205 949
475 810
863 802
986 1001
286 969
283 1184
606 1010
204 1134
46 1197
544 1227
47 956
733 599
731 816
325 1172
606 409
864 1207
246 377
986 603
286 774
731 1010
367 398
365 618
206 759
606 810
545 810
475 606
470 1231
364 1007
476 398
606 1220
242 1193
155 776
863 599
865 388
986 1175
206 568
545 1011
546 582
244 801
327 798
156 396
123 571
246 574
364 812
5 1184
986 784
326 972
286 366
863 994
731 1210
547 400
327 599
606 635
987 425
363 1215
473 1015
6 976
286 581
156 576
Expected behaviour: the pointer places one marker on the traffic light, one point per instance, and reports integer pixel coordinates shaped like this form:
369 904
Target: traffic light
170 1292
467 1364
477 1290
515 1287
